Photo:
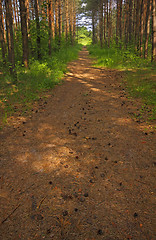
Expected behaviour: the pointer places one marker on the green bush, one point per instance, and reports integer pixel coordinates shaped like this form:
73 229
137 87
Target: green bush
40 76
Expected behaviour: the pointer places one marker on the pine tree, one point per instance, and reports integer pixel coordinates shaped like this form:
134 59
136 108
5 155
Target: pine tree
23 12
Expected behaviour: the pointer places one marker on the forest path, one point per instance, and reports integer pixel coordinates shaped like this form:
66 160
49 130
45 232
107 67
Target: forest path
80 168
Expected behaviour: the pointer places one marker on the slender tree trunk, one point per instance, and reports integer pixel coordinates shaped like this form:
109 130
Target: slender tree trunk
154 31
59 21
147 28
93 26
17 12
23 11
15 15
36 6
126 22
120 21
52 21
104 27
137 24
56 19
10 37
130 21
2 41
50 27
74 21
107 12
67 18
109 22
28 15
71 23
101 22
141 27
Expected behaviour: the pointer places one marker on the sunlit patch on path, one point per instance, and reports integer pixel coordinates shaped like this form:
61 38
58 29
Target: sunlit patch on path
80 168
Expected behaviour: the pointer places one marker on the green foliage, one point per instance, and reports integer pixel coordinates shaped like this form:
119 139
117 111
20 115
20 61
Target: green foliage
117 58
40 76
84 36
140 73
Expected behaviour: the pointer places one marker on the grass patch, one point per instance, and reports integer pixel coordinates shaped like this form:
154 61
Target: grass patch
40 76
140 73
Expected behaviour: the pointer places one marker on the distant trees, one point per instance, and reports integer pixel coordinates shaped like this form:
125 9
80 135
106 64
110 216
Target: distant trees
127 23
35 28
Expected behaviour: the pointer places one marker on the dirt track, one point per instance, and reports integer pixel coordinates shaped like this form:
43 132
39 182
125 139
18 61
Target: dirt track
79 168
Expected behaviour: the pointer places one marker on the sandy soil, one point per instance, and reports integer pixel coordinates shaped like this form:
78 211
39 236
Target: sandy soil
78 167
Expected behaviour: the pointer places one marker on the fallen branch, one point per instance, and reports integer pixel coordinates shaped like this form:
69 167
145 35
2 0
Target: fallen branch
39 205
10 214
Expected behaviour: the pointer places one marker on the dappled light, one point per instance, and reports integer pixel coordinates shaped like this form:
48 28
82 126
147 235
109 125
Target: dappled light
77 122
77 157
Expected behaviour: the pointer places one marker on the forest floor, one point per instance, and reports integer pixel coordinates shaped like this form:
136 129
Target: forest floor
79 167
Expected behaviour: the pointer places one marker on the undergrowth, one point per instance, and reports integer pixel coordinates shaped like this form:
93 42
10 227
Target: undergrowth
140 73
40 76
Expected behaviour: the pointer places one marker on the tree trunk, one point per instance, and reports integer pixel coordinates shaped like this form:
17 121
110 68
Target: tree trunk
120 21
147 28
23 11
10 37
126 22
93 26
141 27
50 27
71 23
154 31
36 6
52 21
15 15
17 12
110 23
28 15
101 22
137 24
67 19
2 41
104 27
74 21
117 22
56 19
130 21
59 21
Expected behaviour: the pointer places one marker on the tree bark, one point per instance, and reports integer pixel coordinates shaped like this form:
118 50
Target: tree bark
59 21
130 21
28 15
141 27
67 19
74 21
147 28
101 22
50 25
71 23
23 11
56 19
10 37
2 40
93 27
154 30
38 40
52 21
